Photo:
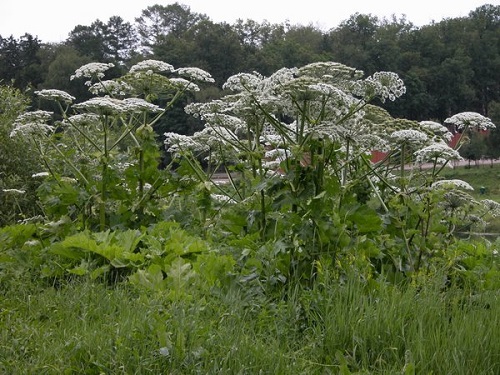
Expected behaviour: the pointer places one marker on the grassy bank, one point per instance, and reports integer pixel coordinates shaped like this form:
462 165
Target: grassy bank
85 327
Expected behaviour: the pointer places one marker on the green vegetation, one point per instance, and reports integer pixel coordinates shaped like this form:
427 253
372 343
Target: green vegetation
309 258
86 327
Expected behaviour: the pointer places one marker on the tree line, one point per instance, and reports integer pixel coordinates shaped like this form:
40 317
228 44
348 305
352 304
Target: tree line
448 66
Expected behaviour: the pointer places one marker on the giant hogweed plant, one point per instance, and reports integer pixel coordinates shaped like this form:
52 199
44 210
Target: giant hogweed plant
296 148
101 155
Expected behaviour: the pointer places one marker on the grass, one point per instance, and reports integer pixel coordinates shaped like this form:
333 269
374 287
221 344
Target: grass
86 327
484 175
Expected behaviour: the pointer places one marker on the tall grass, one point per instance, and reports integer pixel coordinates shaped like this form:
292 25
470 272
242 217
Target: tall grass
88 328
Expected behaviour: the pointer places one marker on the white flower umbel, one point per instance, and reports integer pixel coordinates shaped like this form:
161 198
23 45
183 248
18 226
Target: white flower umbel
177 143
52 94
83 119
103 105
470 120
436 151
111 87
31 123
40 174
384 85
184 84
409 136
243 82
492 207
152 65
92 70
437 129
329 71
230 122
452 184
140 105
195 74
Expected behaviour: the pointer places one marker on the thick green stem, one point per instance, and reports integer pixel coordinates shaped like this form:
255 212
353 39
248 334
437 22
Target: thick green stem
104 177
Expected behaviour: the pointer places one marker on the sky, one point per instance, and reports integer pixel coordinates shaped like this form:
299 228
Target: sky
52 20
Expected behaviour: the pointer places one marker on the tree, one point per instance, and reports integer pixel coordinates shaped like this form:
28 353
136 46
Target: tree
158 21
113 41
19 61
485 54
475 148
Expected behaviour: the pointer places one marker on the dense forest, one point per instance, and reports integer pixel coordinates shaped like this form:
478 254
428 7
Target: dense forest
447 66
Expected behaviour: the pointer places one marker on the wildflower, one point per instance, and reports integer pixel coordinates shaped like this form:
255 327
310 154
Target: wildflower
492 207
242 82
176 143
384 85
228 121
408 136
437 151
82 119
329 71
470 119
40 174
140 105
152 65
34 116
53 94
433 126
196 74
224 199
452 183
184 84
31 123
105 105
111 87
92 70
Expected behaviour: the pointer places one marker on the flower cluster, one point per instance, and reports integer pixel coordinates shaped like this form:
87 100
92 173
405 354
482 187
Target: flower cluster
178 143
492 207
31 123
152 65
473 120
223 199
83 119
455 183
184 84
242 82
52 94
437 129
92 70
111 87
384 85
105 105
439 152
408 136
330 71
40 174
140 105
195 74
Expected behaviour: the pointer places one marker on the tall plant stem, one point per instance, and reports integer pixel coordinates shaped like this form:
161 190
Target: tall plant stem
104 177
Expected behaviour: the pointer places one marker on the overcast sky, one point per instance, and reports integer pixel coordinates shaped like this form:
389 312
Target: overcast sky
52 20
